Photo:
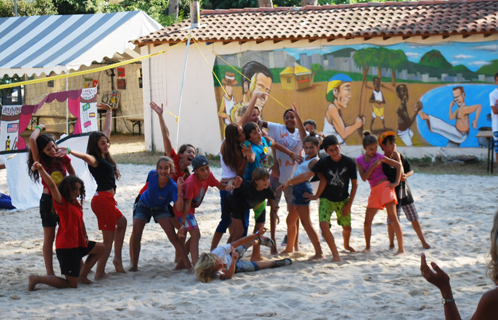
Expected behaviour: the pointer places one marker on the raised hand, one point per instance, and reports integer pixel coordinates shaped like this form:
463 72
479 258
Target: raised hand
61 151
180 183
247 151
158 109
439 278
36 166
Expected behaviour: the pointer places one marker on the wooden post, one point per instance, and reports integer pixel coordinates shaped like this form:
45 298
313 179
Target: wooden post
305 3
173 9
194 14
265 3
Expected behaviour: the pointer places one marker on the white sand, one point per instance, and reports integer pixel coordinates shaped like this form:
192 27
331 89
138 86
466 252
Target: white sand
456 214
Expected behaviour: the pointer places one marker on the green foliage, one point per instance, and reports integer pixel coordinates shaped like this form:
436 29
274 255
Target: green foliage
275 72
489 69
460 67
227 4
316 67
435 59
27 8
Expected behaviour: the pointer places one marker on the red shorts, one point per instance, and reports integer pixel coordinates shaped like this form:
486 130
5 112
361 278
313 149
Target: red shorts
104 207
380 195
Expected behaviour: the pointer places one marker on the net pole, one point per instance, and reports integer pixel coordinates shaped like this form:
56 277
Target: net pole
181 93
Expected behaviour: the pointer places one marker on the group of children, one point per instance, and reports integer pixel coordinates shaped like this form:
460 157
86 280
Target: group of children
246 184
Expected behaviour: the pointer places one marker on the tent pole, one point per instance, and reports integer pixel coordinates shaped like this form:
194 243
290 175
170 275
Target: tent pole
181 93
67 110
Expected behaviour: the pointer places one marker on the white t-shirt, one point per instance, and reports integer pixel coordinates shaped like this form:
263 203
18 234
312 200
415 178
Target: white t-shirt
493 97
291 141
227 172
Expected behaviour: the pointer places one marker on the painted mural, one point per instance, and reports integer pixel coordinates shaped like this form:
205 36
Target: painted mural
431 95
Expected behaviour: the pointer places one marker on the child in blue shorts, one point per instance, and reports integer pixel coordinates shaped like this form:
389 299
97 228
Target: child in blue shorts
338 170
302 204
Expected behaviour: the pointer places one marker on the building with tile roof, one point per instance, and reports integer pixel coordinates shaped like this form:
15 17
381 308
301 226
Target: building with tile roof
268 35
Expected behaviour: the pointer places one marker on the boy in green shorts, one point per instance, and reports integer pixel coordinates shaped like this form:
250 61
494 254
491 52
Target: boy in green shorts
335 172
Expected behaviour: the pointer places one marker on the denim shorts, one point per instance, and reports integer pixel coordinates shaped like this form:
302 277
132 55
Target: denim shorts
495 141
144 213
298 193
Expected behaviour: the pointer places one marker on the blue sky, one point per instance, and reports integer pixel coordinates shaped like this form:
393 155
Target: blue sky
472 55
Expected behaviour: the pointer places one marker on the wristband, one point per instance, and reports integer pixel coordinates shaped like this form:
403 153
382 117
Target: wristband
38 127
289 183
68 151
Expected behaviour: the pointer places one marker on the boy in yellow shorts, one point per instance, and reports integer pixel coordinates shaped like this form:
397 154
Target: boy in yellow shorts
335 172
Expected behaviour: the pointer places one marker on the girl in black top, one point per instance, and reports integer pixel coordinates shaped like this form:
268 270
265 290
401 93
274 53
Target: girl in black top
105 172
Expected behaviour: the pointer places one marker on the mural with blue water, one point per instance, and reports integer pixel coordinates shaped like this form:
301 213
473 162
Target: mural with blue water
465 106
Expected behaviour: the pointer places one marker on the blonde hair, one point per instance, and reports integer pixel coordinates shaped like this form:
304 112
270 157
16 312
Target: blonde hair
204 267
492 268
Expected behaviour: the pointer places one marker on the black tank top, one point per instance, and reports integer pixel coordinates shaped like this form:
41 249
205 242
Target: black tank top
104 175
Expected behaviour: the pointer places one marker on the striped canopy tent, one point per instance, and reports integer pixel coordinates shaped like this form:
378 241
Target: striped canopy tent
60 43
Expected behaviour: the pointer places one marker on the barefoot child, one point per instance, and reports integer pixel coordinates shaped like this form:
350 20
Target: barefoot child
72 241
405 199
382 191
43 149
194 189
260 147
223 262
233 159
302 205
245 196
105 172
154 203
335 172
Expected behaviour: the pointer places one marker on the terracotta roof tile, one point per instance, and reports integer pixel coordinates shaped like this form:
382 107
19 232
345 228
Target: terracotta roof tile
337 21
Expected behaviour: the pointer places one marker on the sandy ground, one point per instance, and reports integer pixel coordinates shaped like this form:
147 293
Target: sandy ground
456 214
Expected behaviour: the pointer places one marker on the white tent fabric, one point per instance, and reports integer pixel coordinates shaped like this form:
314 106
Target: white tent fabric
24 192
41 44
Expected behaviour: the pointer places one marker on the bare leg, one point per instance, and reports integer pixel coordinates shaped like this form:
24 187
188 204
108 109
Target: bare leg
346 235
108 238
329 237
169 229
195 235
91 260
292 220
119 236
418 231
390 232
131 246
53 281
256 250
391 212
367 227
48 249
296 242
216 239
304 216
238 229
135 243
273 228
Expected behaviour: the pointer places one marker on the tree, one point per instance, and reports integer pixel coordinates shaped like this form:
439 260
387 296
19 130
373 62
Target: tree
364 58
396 59
27 8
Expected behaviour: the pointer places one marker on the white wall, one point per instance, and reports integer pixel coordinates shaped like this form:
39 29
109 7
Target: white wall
199 123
